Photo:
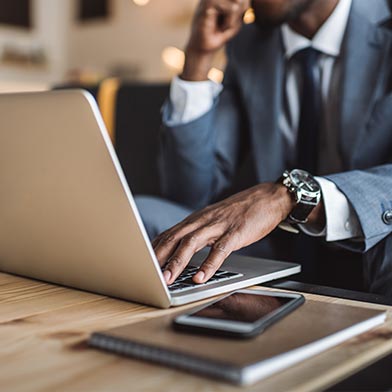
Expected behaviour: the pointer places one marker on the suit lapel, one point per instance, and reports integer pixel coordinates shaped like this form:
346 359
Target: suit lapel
363 55
262 79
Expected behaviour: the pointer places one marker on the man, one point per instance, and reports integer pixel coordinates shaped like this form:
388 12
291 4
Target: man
305 88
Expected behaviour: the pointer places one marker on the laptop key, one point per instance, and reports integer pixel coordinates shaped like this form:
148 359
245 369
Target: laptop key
189 284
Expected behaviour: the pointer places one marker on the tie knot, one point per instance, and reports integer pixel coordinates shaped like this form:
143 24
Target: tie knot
307 56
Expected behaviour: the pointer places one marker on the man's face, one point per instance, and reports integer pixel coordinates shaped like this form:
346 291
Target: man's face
276 12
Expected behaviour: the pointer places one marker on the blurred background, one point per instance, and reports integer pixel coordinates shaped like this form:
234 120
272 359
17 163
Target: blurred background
55 42
124 52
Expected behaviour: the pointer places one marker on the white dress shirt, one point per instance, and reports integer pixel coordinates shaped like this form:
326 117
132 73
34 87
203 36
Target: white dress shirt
191 100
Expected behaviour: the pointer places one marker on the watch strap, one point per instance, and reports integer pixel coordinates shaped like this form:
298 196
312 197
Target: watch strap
300 213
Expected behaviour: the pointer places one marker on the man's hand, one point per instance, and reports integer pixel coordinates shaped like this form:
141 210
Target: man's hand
226 226
214 24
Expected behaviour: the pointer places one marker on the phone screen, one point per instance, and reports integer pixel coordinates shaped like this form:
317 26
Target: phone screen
243 307
244 313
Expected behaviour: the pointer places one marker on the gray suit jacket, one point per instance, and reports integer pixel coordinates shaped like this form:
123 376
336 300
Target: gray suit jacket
200 160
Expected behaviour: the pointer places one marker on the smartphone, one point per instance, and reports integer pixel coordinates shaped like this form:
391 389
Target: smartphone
241 314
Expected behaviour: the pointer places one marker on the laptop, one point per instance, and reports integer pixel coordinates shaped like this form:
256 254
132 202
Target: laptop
67 215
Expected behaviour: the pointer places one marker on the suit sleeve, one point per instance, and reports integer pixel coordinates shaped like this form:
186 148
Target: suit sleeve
369 192
190 100
198 159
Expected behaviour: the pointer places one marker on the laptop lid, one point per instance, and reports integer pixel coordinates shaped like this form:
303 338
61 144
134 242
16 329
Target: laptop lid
66 212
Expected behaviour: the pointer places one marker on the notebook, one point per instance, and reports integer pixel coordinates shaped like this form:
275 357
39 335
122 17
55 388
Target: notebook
309 330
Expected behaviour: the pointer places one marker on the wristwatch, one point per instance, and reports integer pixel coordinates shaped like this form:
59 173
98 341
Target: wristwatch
306 192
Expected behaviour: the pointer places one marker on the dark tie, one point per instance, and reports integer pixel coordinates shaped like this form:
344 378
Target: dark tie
305 248
310 113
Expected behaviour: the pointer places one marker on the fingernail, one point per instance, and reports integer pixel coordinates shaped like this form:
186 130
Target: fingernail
200 276
167 275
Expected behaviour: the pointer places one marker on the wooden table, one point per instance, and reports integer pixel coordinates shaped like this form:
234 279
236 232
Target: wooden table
43 329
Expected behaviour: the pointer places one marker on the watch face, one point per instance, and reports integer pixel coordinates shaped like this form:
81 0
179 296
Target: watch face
304 180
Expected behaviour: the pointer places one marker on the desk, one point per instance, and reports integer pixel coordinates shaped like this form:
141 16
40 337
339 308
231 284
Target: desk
43 329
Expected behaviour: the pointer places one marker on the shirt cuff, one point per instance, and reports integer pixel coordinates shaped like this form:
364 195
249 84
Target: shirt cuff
341 220
191 100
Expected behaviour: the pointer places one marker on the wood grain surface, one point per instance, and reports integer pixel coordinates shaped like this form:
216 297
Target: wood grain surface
43 330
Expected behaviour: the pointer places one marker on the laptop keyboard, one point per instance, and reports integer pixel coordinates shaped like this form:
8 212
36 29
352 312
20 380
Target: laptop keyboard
184 281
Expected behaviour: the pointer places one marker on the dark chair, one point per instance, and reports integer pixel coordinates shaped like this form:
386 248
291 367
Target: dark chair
137 131
131 112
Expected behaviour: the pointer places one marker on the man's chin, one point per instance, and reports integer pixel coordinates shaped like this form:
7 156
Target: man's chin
268 20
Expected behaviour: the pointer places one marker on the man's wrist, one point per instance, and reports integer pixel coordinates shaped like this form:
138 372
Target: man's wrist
197 66
285 200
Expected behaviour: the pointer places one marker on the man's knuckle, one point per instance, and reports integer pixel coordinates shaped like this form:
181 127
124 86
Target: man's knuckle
215 219
175 261
235 7
168 238
209 265
209 6
221 247
190 240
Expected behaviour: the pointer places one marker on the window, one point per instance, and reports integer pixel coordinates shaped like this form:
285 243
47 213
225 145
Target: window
93 9
15 13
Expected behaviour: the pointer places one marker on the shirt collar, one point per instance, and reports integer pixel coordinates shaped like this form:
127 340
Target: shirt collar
329 37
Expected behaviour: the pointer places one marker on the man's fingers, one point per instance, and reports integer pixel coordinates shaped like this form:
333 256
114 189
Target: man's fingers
234 16
226 13
166 243
188 246
218 254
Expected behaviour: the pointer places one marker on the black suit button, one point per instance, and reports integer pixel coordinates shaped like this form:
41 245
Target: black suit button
387 217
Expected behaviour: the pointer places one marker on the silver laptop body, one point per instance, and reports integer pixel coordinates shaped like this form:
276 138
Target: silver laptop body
67 215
